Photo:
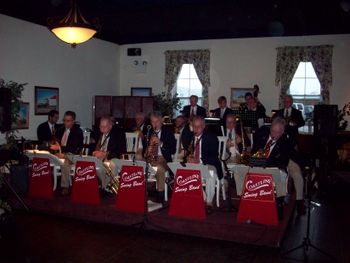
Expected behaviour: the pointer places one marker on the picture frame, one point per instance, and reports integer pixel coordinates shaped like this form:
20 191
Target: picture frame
46 99
237 96
22 121
141 91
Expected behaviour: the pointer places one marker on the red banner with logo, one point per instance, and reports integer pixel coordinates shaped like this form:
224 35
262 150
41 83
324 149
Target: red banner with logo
187 198
85 184
131 191
258 203
41 180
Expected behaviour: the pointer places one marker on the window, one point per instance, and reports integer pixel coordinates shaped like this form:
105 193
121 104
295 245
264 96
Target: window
188 84
305 89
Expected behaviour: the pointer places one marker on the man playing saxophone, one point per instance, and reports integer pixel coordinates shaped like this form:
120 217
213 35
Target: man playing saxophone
110 144
161 145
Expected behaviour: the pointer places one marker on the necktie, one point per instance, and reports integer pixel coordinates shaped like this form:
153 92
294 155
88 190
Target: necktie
268 148
192 111
65 138
222 113
156 147
52 130
196 151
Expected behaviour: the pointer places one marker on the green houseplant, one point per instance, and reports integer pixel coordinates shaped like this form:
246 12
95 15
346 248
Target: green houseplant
166 103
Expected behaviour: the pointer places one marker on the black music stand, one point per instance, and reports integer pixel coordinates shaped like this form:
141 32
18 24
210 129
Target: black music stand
6 156
306 244
248 117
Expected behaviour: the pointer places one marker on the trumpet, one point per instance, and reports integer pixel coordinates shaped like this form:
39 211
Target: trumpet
113 185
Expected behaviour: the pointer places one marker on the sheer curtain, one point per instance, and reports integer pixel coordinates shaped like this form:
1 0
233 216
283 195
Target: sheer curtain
200 58
288 59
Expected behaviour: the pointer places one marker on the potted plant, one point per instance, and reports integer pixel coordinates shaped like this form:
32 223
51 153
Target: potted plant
166 103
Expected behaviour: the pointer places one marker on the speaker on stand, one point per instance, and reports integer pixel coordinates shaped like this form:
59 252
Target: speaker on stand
325 134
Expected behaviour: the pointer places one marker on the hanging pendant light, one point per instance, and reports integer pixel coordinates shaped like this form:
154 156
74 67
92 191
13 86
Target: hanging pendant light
74 28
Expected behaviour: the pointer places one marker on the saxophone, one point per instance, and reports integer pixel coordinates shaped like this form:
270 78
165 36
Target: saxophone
152 149
114 182
188 153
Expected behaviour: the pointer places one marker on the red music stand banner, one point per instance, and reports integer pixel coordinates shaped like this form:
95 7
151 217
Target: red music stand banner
258 203
131 191
85 184
41 180
187 198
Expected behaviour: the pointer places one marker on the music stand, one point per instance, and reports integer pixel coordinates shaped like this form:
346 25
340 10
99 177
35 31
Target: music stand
306 244
248 117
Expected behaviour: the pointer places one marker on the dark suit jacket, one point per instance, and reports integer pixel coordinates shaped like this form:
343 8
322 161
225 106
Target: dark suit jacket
295 117
209 152
44 132
281 153
200 111
186 137
116 144
217 113
75 139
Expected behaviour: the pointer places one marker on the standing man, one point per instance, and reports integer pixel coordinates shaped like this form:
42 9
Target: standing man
205 151
194 109
47 129
69 142
111 144
293 117
161 146
223 110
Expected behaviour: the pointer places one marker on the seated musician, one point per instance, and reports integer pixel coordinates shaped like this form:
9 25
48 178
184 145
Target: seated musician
223 110
161 146
194 109
294 120
279 151
254 105
204 149
234 144
46 130
69 142
185 135
110 144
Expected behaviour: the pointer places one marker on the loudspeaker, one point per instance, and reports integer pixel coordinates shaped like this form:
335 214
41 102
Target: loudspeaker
325 120
134 51
5 109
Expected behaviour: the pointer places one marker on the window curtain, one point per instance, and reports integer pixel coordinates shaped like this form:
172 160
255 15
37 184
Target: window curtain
288 59
200 58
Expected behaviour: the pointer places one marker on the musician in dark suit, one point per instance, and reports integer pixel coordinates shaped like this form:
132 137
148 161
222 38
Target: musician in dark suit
279 151
69 142
194 109
222 111
253 105
110 144
161 146
205 151
47 129
293 117
140 127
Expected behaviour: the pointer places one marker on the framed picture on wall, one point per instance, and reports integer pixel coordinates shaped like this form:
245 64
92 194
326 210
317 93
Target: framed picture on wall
46 99
237 96
22 121
140 91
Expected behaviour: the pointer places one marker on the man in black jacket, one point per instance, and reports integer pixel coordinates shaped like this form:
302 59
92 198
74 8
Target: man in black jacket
222 111
47 129
69 142
293 117
194 109
162 145
111 144
279 151
205 151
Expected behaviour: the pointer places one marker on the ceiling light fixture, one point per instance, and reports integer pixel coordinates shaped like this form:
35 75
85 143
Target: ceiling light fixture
74 28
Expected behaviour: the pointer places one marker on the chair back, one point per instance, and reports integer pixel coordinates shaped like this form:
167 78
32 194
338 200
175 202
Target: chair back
222 146
176 155
131 141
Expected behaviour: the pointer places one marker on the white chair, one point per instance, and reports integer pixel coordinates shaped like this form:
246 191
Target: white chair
178 143
55 162
222 155
132 141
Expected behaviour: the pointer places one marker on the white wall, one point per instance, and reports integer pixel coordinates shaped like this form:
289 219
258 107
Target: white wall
31 54
237 63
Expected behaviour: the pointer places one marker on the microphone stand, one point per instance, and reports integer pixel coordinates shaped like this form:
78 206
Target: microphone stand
144 222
